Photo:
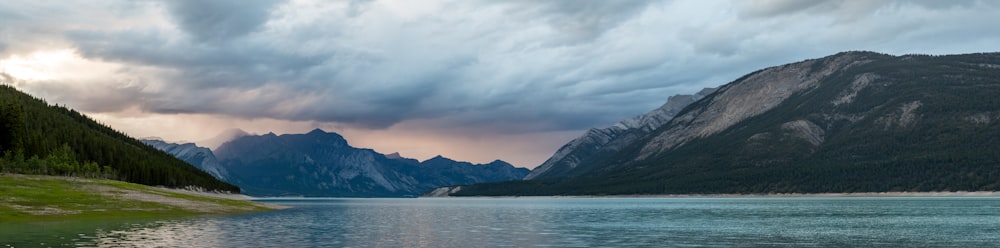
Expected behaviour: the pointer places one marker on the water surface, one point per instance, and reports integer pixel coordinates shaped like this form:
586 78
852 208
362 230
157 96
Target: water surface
553 222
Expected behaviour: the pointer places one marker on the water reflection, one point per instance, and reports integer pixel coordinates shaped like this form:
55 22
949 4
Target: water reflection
164 233
478 222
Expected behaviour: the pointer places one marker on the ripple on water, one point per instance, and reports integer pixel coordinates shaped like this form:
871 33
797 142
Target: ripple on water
555 222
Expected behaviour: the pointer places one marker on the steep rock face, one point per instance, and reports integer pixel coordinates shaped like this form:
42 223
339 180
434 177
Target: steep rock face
850 122
200 157
805 130
748 97
580 154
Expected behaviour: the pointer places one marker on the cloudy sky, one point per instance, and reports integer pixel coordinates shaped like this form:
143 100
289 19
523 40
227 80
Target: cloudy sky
472 80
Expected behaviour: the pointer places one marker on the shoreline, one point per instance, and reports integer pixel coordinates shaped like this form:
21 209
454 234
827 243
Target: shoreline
815 195
772 195
226 196
230 196
29 198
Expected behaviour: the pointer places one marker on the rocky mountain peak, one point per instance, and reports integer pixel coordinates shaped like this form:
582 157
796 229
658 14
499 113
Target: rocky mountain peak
500 163
598 142
394 155
437 159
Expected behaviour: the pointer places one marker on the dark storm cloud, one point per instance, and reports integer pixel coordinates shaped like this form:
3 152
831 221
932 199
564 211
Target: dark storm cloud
577 20
504 66
770 8
372 81
238 63
220 19
841 8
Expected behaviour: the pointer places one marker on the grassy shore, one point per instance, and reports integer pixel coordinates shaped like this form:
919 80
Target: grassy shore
27 198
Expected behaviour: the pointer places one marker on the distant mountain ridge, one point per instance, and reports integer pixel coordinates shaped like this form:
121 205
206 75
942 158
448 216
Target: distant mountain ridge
850 122
321 163
200 157
445 171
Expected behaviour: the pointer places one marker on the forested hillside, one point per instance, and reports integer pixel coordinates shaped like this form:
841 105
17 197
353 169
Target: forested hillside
37 138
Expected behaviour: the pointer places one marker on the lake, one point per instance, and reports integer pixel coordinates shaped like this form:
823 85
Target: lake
552 222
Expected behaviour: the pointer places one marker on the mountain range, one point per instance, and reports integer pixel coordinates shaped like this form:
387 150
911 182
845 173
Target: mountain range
849 122
322 163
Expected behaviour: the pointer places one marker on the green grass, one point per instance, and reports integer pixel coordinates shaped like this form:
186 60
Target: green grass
26 198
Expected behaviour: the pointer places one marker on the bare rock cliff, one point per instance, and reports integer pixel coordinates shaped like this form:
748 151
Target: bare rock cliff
745 98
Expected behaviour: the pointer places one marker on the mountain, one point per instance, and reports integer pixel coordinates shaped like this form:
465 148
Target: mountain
596 145
225 136
200 157
310 164
320 163
38 138
446 172
850 122
394 155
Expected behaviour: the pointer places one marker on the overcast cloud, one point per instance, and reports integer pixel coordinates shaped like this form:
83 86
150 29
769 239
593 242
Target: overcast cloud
469 70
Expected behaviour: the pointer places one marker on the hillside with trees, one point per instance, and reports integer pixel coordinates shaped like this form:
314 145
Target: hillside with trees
850 122
38 138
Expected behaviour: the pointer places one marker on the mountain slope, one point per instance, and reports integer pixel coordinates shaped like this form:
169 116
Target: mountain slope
43 139
319 163
200 157
581 154
851 122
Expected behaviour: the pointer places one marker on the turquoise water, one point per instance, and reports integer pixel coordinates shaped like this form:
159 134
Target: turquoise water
553 222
